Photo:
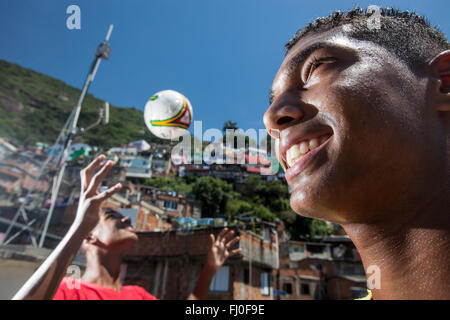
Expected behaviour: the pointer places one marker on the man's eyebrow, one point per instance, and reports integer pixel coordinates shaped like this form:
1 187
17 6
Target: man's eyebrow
110 211
300 58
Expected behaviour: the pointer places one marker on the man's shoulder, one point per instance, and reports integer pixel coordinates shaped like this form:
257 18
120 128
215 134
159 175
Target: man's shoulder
66 289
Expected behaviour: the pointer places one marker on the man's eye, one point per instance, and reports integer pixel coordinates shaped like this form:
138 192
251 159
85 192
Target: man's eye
314 64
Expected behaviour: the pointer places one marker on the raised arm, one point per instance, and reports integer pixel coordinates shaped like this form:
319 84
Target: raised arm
219 252
45 281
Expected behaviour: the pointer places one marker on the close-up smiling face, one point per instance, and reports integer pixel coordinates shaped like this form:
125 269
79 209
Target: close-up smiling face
355 127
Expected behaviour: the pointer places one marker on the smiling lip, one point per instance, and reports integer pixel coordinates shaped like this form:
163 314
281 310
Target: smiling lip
301 164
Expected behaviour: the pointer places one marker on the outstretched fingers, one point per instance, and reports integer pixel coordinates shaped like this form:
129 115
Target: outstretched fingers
225 235
86 173
235 252
221 235
107 193
232 242
98 178
228 236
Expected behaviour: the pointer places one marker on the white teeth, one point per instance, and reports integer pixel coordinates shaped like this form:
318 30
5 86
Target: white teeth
297 151
313 144
292 154
304 148
291 161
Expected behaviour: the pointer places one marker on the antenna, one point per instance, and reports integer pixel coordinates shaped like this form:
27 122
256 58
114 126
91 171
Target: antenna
103 51
65 138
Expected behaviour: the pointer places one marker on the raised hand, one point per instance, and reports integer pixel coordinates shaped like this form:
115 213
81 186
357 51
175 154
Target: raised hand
45 280
220 249
90 199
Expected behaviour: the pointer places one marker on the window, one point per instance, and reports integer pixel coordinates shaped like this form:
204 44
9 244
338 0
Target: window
344 268
287 287
305 289
171 205
316 249
265 286
220 280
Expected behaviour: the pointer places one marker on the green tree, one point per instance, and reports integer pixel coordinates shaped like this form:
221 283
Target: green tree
214 194
302 227
175 184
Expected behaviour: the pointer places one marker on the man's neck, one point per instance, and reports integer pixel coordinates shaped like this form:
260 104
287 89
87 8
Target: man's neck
103 269
412 255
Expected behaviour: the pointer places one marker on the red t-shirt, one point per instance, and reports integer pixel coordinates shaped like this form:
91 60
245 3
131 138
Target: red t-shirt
69 289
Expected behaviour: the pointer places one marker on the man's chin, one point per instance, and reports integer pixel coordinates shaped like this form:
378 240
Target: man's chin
133 237
129 239
313 205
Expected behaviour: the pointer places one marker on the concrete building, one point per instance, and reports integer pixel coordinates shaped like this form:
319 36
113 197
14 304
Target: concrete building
17 173
168 264
330 269
138 167
140 145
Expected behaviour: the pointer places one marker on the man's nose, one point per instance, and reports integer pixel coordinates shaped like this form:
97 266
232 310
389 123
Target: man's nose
126 220
282 114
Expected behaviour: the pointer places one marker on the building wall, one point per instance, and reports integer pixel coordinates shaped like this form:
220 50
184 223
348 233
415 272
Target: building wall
185 207
304 272
23 172
174 278
168 265
248 287
327 276
340 288
150 221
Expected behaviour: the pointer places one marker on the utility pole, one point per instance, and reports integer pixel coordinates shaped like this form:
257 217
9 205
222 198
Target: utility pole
68 132
103 51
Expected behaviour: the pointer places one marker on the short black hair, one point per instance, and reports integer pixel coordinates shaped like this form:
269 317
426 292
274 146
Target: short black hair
406 34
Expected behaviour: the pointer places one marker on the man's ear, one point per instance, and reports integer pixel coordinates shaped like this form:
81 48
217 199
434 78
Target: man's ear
440 68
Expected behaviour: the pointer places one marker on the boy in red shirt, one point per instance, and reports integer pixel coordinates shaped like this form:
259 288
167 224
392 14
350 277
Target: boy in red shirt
106 236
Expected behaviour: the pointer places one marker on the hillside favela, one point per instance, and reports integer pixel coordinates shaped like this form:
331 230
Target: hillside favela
174 204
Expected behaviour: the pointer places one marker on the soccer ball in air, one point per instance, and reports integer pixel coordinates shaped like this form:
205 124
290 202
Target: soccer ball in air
168 114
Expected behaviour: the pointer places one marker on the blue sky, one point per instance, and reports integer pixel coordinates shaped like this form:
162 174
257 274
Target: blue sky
222 54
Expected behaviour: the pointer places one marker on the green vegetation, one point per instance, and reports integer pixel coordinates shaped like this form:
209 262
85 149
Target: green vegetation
170 184
34 108
265 200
